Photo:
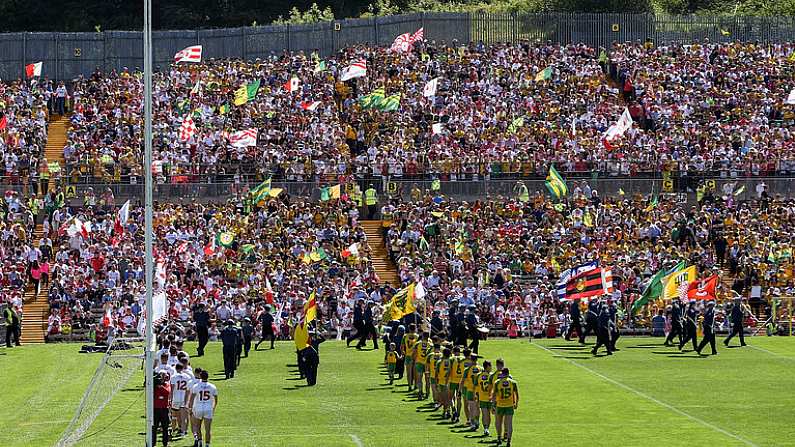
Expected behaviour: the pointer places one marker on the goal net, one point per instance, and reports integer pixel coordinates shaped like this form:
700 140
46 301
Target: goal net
122 358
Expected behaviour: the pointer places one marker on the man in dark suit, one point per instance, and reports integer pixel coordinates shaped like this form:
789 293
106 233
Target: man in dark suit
368 328
265 320
576 324
709 331
202 319
690 327
591 324
603 325
358 322
737 316
676 323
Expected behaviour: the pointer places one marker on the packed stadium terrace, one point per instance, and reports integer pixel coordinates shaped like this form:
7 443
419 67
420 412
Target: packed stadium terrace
718 108
503 256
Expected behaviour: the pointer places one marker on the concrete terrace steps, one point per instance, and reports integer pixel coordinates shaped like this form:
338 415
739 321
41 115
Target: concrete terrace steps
383 266
56 140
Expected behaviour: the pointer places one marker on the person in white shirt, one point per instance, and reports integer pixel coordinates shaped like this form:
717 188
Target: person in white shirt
203 400
179 393
163 366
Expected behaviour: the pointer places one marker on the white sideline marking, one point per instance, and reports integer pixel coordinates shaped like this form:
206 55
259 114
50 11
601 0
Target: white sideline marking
774 354
647 397
357 441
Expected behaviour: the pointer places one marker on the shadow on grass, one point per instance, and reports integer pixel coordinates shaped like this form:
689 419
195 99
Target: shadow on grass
643 347
481 436
576 357
696 356
295 378
569 348
135 388
295 387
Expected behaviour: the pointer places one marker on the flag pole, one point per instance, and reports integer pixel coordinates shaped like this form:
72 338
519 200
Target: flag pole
148 351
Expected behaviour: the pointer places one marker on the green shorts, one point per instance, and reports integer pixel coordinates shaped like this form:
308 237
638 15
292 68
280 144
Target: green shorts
505 411
470 395
390 367
443 388
433 381
420 368
453 387
486 405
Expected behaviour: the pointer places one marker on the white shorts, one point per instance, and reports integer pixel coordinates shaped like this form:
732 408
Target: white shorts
203 413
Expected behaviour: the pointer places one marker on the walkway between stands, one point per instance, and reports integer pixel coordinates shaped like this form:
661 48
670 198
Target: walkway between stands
387 272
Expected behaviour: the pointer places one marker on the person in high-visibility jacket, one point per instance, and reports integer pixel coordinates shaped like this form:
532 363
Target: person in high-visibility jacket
371 200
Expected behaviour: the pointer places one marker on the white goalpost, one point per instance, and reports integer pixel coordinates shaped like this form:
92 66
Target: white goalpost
122 359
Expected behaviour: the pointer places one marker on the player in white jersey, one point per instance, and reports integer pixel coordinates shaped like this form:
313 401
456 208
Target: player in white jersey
163 366
179 393
203 400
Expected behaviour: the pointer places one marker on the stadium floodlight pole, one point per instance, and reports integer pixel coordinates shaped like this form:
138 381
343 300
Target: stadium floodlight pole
148 351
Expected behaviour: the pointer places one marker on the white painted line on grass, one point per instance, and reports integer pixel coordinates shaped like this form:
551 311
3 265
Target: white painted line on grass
650 398
774 354
357 441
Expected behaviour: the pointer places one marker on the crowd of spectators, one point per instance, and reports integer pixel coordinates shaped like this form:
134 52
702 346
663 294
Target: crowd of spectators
700 108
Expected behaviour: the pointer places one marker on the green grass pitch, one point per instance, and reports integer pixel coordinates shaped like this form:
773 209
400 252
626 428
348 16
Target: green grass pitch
643 395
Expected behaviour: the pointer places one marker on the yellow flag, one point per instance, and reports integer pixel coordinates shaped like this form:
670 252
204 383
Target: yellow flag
673 281
310 309
274 192
334 192
301 336
241 96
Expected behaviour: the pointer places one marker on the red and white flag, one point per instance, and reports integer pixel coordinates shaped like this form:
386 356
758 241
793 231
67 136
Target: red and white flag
357 69
618 129
187 129
402 43
209 249
190 54
310 105
418 35
33 70
243 138
430 88
182 248
704 289
268 291
107 319
160 273
293 84
79 227
122 218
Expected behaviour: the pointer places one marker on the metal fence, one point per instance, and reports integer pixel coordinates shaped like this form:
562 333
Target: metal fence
67 55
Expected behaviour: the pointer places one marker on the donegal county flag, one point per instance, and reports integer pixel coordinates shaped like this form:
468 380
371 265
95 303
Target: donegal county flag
224 109
402 302
310 308
225 239
390 103
320 67
372 100
516 124
544 74
246 92
335 191
673 281
555 184
654 288
262 191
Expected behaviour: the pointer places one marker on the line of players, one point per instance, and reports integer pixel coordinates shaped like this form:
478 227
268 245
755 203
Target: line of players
452 376
182 395
602 318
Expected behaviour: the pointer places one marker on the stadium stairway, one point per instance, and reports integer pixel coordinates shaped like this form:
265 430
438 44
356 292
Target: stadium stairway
56 140
35 309
384 267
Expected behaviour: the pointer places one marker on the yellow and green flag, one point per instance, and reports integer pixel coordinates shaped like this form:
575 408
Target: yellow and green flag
544 74
262 191
676 279
246 92
555 184
373 100
390 103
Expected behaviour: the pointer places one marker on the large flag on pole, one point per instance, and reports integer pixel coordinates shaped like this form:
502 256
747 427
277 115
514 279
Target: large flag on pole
186 129
618 129
430 88
654 288
566 275
357 69
243 138
673 282
189 54
704 289
594 282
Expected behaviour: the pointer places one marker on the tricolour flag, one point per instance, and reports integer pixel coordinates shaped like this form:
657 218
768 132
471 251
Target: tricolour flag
262 191
33 70
190 54
186 129
430 88
555 183
357 69
243 138
675 279
122 218
704 289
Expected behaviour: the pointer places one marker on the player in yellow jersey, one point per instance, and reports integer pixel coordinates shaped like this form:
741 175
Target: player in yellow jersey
429 385
471 399
435 358
420 353
407 350
483 386
391 362
444 368
462 389
456 372
506 395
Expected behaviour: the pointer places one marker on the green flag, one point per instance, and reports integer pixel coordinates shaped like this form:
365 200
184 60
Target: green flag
248 248
436 185
225 239
224 109
544 74
324 194
320 67
655 287
516 124
373 100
